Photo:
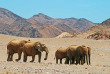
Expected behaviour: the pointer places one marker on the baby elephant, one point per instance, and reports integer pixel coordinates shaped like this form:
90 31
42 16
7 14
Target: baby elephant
60 54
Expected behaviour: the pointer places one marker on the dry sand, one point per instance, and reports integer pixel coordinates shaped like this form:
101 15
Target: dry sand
100 57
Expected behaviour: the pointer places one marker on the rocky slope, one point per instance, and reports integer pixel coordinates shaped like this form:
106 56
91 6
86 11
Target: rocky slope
39 25
101 31
80 25
7 17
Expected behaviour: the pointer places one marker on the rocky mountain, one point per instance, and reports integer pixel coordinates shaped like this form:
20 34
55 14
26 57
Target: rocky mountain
101 31
80 25
39 25
7 17
12 24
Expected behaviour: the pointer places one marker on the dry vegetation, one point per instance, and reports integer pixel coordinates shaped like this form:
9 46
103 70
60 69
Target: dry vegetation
100 35
100 59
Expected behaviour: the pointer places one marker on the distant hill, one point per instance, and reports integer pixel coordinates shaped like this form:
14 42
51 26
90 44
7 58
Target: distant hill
12 24
66 35
7 17
101 31
79 25
39 25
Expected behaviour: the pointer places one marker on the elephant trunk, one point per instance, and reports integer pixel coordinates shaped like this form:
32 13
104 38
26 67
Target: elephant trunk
46 55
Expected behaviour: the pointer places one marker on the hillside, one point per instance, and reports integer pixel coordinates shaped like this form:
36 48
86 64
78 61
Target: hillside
80 25
39 25
12 24
7 17
101 31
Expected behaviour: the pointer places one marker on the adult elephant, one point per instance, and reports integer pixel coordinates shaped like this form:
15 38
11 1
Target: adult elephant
71 54
60 54
15 46
82 52
89 55
34 48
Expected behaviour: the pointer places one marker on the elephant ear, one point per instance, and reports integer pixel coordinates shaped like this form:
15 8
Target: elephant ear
43 47
37 48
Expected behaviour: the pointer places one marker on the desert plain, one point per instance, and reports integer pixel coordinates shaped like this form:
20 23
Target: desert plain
100 57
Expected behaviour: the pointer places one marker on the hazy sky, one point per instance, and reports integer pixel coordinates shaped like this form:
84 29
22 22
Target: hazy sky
93 10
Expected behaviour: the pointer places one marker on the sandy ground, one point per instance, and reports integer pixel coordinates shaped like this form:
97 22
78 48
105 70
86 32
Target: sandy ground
100 57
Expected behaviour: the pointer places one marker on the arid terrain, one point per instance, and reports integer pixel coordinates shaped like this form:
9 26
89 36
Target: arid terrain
100 57
41 25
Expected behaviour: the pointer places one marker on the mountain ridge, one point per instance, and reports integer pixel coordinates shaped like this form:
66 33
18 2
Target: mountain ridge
73 22
101 31
39 25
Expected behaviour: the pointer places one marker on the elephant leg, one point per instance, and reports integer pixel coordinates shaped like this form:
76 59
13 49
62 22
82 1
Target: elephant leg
77 58
66 60
87 59
60 61
19 55
33 58
25 58
56 60
77 61
73 60
39 57
70 60
8 58
11 57
82 60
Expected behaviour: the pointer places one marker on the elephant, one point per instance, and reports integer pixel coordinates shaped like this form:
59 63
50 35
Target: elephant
34 48
60 54
71 54
14 46
89 54
44 48
82 52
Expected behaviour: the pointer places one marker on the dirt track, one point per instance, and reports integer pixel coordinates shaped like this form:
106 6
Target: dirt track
100 59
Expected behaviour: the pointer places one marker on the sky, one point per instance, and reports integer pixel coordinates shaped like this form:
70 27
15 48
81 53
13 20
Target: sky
95 11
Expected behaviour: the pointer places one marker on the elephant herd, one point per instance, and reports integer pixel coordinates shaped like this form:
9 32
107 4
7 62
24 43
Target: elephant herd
73 54
28 48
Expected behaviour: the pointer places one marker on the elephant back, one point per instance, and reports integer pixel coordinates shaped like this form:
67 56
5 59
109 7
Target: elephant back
62 50
60 53
71 50
13 43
